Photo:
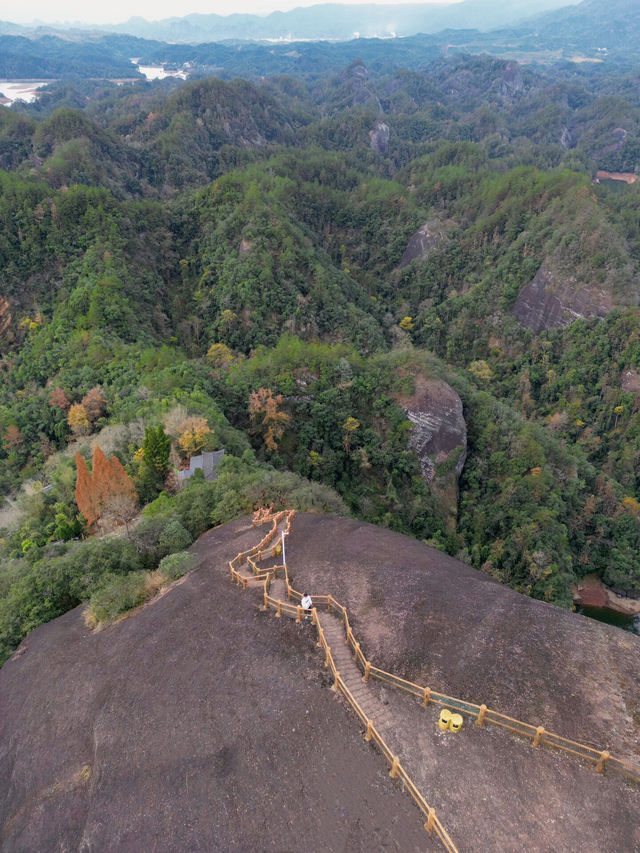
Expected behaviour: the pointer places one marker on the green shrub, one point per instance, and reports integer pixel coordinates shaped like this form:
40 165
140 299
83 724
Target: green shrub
174 566
119 593
174 537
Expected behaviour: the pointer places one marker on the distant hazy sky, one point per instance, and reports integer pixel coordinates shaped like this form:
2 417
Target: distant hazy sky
71 11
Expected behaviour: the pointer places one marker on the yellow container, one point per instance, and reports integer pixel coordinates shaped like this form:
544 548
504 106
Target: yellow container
445 719
455 723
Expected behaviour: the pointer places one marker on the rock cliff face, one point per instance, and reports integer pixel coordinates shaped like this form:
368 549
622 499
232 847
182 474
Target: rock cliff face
438 437
630 381
511 83
548 303
379 137
426 238
6 334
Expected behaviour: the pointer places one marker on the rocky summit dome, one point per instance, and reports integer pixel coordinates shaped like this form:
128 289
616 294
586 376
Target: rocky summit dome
202 722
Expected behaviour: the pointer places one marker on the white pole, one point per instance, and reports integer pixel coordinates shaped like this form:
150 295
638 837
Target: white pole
284 555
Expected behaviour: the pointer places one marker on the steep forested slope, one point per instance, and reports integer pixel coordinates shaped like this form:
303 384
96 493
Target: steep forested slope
281 266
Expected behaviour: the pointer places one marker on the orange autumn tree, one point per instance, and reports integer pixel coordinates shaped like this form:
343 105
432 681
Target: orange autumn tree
78 420
264 411
107 484
193 434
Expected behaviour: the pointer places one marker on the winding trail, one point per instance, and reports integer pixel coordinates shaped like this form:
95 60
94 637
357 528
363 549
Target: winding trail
259 568
254 569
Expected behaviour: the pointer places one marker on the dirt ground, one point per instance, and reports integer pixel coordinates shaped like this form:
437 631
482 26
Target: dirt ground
201 723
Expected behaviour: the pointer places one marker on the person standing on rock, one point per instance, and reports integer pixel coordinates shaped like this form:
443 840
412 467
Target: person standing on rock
307 604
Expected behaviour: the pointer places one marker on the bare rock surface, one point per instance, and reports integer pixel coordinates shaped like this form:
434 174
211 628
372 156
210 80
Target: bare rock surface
427 238
379 137
630 381
438 436
438 622
6 320
551 302
511 82
200 723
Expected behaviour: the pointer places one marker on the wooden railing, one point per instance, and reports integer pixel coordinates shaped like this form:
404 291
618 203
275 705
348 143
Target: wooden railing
397 771
598 758
252 558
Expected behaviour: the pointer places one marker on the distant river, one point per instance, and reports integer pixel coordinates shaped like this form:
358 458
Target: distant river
20 90
157 72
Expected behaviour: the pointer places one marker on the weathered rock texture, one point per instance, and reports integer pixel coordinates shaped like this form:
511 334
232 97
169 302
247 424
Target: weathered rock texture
591 592
6 333
196 724
438 437
202 724
630 381
422 243
549 302
511 82
379 137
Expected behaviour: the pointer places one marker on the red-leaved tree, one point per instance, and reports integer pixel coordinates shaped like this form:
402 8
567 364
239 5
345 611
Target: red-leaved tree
106 486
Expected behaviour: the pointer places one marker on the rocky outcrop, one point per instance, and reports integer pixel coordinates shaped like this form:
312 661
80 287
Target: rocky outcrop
511 83
379 137
630 381
566 140
355 81
438 437
627 177
422 243
6 333
591 592
548 303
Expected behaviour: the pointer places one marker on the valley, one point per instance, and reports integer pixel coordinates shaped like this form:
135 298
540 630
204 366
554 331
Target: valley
392 284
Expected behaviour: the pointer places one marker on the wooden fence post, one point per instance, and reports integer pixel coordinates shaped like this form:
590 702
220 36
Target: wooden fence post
314 616
335 684
266 599
481 713
427 697
369 733
604 757
299 614
329 603
367 671
539 733
279 611
394 767
349 636
431 820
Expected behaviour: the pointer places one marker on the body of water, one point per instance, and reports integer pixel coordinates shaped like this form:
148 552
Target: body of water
20 90
611 617
157 72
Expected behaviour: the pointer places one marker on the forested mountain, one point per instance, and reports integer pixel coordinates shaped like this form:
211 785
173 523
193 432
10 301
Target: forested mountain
276 268
593 31
340 22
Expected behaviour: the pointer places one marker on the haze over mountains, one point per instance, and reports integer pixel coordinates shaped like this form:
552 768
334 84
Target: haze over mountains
339 22
330 21
594 31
